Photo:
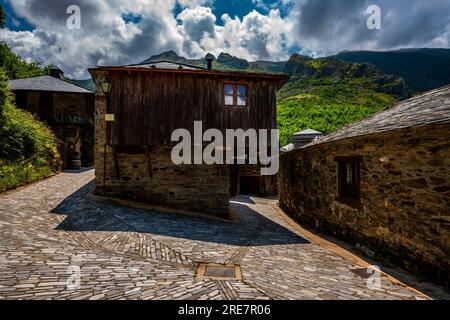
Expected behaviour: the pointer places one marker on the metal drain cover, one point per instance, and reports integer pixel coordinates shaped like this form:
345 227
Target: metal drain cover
219 271
222 272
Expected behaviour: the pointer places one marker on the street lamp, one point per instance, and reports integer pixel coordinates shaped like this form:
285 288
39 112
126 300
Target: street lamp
105 86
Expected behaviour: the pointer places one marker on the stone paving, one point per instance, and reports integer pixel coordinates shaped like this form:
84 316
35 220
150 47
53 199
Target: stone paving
51 230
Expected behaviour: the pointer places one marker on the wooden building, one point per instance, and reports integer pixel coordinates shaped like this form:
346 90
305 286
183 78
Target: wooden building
66 108
146 103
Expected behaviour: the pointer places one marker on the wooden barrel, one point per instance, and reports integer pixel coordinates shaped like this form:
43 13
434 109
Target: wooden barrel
75 164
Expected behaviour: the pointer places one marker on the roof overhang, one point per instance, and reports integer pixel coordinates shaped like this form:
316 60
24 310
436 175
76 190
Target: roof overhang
280 78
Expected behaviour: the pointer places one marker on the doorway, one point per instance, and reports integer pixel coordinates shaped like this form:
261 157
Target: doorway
250 185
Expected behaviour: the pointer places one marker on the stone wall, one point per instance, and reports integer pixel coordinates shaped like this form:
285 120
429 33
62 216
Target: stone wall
404 211
33 102
70 103
196 188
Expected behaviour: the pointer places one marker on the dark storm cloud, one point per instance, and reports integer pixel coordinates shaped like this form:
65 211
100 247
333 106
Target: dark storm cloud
330 25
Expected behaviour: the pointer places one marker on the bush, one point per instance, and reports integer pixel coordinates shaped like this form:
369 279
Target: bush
27 147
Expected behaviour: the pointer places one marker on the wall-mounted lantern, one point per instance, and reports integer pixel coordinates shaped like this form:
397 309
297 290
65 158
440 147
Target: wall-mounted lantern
105 86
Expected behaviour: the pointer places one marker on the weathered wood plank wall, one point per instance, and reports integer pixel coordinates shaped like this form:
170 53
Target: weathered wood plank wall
148 107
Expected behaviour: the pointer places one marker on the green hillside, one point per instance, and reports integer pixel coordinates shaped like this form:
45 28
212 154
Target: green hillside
327 109
27 147
326 94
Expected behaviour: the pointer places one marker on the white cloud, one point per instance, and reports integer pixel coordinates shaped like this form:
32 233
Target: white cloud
194 3
256 36
104 38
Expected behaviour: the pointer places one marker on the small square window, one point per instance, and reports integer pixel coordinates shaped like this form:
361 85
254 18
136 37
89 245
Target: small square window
241 101
229 89
229 100
241 90
349 178
235 95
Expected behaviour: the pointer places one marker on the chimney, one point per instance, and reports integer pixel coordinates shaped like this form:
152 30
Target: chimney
56 73
209 62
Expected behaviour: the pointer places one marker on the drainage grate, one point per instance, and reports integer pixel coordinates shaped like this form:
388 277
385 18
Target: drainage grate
219 271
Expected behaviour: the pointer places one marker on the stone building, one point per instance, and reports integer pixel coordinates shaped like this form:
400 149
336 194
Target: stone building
138 107
66 108
383 182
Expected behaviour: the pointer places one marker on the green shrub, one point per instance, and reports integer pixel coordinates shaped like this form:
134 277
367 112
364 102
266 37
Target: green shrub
27 147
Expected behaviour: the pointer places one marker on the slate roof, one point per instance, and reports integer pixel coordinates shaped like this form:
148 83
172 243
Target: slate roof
45 83
166 65
432 107
307 132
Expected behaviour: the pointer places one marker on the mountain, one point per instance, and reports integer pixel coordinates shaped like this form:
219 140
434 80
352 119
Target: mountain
223 62
165 56
326 94
422 69
233 62
306 72
306 69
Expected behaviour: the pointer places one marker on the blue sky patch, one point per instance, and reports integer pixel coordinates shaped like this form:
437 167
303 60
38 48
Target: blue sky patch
13 22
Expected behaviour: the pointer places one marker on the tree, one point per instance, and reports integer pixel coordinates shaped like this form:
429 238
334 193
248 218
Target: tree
15 67
2 17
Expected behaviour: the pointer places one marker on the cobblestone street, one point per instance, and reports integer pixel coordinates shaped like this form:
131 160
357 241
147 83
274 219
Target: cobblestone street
50 228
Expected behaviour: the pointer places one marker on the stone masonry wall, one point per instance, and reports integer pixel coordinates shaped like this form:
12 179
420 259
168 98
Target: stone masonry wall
404 211
69 103
197 188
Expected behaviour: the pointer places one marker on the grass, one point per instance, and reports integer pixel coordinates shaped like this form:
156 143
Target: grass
18 173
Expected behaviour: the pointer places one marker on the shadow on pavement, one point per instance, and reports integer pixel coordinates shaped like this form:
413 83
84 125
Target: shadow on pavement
254 229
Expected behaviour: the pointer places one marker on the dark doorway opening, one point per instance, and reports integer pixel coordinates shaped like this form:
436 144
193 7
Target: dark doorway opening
249 185
234 181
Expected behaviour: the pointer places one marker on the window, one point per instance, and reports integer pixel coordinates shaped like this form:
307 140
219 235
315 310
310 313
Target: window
235 95
349 178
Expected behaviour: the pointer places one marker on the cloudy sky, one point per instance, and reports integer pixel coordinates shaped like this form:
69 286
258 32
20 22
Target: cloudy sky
129 31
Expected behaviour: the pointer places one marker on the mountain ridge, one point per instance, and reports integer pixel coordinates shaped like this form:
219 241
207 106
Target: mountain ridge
422 69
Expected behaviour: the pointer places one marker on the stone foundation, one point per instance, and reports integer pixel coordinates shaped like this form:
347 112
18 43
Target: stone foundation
198 188
404 210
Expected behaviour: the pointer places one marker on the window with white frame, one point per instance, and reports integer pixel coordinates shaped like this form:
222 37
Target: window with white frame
235 95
